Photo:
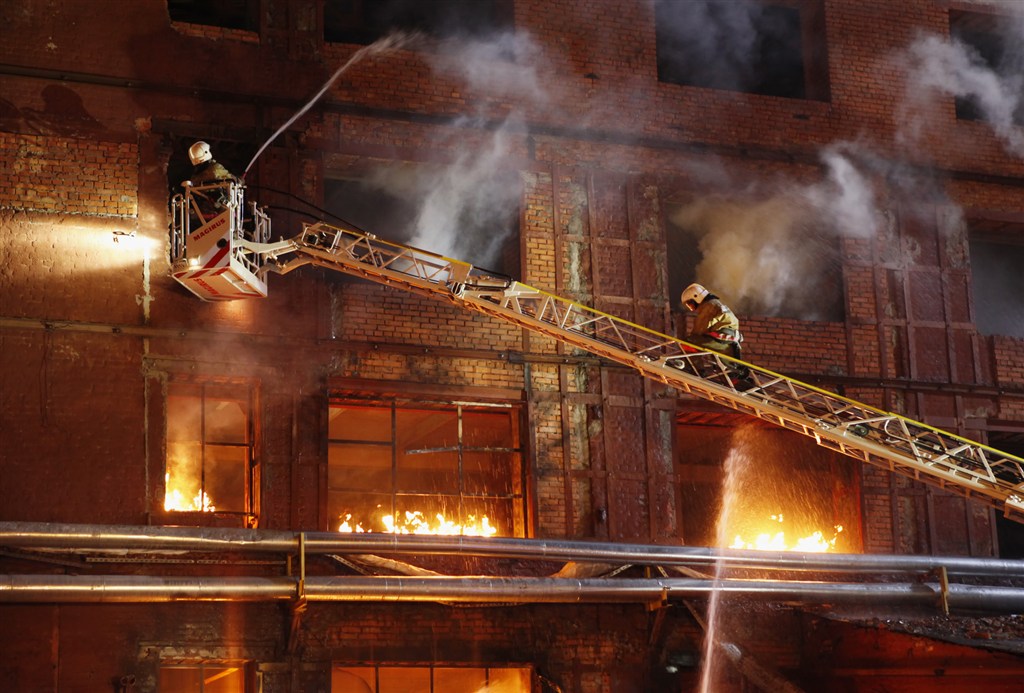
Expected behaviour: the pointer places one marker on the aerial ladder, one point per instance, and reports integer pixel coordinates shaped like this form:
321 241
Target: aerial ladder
227 255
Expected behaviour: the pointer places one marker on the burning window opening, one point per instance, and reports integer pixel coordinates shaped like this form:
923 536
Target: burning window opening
745 485
752 46
997 284
431 679
448 469
209 465
205 678
365 21
775 539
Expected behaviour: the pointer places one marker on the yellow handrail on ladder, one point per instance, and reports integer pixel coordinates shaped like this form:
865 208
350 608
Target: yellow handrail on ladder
880 438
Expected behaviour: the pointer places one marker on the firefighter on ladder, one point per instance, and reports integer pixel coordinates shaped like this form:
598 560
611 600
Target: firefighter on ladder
715 326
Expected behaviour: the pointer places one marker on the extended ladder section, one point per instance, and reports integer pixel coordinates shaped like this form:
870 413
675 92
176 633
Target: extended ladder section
874 436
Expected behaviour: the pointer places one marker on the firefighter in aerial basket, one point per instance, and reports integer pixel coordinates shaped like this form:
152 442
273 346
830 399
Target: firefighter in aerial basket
715 326
208 173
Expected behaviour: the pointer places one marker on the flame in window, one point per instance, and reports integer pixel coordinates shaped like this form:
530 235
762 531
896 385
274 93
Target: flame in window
182 496
415 522
775 540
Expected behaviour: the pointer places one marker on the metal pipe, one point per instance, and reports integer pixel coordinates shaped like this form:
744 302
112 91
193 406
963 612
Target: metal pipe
132 588
137 539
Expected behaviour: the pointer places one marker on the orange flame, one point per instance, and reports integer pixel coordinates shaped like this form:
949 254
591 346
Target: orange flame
776 541
414 522
176 499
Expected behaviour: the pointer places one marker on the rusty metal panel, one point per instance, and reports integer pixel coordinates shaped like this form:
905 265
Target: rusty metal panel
612 266
627 510
608 207
924 293
930 355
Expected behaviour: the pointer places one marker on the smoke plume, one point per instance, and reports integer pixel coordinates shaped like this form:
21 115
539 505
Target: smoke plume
773 248
937 66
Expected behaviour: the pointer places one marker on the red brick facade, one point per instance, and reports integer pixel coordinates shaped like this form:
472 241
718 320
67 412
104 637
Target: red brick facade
99 101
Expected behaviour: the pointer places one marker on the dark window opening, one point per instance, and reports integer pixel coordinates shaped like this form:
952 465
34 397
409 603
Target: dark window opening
425 468
992 40
1010 533
752 46
210 460
434 211
764 258
997 283
365 21
230 14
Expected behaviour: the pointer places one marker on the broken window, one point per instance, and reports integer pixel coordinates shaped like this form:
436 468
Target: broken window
459 211
365 21
205 678
774 48
431 679
993 41
997 283
425 468
230 14
210 465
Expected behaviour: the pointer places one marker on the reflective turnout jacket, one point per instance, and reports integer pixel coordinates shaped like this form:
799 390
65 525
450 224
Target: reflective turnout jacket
714 320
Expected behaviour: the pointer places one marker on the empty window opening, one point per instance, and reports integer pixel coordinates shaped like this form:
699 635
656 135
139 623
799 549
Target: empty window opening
997 283
455 211
425 469
230 14
205 678
1009 532
753 46
431 679
772 489
994 41
365 21
210 462
767 258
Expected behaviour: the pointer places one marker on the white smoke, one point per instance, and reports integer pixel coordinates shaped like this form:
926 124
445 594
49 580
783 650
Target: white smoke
937 66
466 208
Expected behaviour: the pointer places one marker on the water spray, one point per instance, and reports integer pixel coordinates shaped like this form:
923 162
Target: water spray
387 44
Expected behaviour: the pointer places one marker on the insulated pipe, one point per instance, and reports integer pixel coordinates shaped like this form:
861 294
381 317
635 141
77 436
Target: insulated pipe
139 539
121 588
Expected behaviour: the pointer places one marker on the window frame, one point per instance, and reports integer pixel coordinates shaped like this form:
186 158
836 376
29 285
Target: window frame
247 667
248 392
518 499
432 667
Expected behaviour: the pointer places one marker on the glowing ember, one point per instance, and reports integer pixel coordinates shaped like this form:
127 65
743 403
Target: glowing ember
177 500
414 522
776 541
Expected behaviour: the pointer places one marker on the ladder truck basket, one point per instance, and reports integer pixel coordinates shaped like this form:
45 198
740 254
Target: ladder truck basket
209 227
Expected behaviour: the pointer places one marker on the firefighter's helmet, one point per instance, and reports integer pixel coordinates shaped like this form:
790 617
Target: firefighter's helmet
199 153
693 296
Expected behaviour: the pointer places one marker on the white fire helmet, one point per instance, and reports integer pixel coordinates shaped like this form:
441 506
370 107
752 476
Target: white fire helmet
693 294
199 153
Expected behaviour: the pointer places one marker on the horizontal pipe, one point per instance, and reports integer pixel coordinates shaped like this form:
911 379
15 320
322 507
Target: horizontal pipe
130 588
124 539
